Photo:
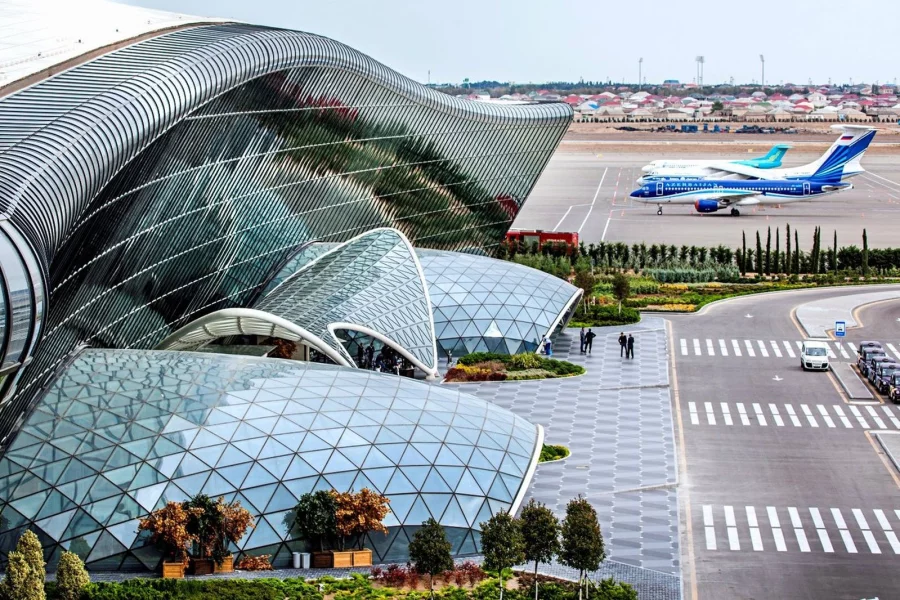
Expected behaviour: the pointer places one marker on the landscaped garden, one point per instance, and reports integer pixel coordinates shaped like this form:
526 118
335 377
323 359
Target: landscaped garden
550 453
489 366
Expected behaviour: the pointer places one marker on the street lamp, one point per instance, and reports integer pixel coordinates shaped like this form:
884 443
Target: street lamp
700 60
640 69
762 59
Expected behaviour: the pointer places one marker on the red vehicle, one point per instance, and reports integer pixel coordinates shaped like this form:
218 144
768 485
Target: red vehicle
570 238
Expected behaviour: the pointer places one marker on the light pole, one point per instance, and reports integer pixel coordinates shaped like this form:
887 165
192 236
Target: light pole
700 60
762 59
640 69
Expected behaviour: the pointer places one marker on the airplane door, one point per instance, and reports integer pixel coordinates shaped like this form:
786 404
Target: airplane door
806 188
659 188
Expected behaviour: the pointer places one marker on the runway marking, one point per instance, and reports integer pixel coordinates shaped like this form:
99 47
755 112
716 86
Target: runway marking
563 219
884 178
723 349
709 527
762 349
736 347
597 193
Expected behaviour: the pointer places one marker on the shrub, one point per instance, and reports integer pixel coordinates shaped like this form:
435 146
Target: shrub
477 357
25 572
254 563
525 360
466 373
562 368
71 577
168 529
600 315
549 453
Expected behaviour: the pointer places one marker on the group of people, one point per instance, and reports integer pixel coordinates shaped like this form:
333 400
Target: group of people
587 340
386 361
626 343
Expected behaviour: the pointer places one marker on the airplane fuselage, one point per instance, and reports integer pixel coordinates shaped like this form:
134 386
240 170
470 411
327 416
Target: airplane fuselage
735 192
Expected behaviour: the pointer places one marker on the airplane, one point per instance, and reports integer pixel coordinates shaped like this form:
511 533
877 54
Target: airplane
711 195
847 151
771 160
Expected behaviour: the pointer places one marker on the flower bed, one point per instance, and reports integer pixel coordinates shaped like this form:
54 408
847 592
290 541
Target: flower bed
488 366
550 453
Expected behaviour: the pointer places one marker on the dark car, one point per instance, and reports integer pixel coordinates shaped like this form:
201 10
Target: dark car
881 375
863 346
894 390
865 357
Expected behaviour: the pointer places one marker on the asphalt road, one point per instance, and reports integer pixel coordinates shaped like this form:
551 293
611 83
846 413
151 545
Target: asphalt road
784 493
588 192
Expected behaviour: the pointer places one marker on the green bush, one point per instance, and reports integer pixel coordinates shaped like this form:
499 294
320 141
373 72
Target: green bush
526 360
600 315
71 577
561 367
549 453
190 589
477 357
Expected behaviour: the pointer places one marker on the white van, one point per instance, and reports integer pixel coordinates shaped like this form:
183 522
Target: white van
814 355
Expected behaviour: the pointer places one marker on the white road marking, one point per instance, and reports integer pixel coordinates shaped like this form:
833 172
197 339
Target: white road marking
894 350
697 348
684 347
759 414
840 348
775 348
594 201
888 530
843 417
876 418
743 412
821 531
859 417
798 529
776 529
733 541
828 420
710 415
809 415
726 414
799 345
709 527
723 349
695 418
845 535
755 537
852 347
563 218
890 415
790 410
709 348
750 351
788 349
762 348
776 416
736 347
831 353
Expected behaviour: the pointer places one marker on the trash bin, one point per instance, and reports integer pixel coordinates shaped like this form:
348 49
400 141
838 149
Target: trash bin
305 559
296 557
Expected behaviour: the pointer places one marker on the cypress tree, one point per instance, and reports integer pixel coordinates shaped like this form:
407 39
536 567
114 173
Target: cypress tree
834 253
777 262
788 257
742 262
759 255
796 253
813 254
769 251
865 254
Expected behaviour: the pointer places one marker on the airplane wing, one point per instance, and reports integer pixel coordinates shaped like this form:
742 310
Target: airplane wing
745 171
726 198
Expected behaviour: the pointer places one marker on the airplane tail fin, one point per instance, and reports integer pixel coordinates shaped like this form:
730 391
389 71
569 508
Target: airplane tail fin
776 154
843 158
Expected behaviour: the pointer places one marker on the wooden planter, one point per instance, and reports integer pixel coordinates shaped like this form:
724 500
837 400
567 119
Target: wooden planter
362 558
202 566
227 565
332 560
173 570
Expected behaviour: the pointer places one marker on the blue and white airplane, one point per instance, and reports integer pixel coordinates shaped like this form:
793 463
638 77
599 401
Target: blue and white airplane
698 168
711 195
849 148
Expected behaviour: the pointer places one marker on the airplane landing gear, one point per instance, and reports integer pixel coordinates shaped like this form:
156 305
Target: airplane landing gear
735 212
659 210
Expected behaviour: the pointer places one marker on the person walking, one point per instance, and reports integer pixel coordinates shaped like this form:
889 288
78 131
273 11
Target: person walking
630 352
581 335
589 340
370 355
622 341
548 346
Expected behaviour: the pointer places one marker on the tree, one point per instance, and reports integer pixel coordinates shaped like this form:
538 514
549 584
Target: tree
236 520
168 527
429 550
585 281
314 518
865 254
796 253
540 535
788 257
502 544
743 261
358 514
768 264
717 106
582 540
621 288
25 570
205 525
834 250
759 255
776 268
71 577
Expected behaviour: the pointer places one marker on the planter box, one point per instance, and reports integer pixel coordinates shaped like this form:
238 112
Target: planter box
227 565
362 558
332 560
201 566
173 570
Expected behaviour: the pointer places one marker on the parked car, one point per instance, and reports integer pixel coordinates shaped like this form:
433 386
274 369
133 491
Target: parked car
894 391
814 355
876 362
863 346
873 356
884 374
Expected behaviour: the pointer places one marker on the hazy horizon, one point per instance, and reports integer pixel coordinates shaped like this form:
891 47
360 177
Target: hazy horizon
530 42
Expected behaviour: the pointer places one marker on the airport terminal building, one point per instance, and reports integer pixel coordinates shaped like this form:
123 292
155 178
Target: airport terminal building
167 182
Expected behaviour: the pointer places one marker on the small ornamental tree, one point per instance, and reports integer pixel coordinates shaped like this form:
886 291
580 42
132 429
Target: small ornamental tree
540 536
621 288
235 521
361 513
582 541
502 544
168 529
865 254
314 518
25 571
71 576
429 550
205 525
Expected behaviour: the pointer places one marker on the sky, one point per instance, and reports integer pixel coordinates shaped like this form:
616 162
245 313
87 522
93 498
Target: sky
564 40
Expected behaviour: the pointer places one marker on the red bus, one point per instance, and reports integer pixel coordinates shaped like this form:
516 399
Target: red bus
528 237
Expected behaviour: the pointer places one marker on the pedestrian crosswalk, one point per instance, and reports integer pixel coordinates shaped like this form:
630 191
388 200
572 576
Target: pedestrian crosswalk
767 348
794 529
790 414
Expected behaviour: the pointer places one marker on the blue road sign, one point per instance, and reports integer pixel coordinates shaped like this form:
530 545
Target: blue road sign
840 328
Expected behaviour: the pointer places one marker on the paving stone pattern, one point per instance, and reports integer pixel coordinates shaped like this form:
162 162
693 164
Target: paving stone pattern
617 421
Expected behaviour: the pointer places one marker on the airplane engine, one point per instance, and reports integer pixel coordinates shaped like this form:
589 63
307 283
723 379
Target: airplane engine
707 206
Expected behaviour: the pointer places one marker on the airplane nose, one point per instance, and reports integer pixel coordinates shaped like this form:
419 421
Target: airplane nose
646 168
635 193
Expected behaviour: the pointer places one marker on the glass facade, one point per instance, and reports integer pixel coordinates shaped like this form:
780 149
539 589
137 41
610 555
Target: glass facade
483 304
176 176
120 432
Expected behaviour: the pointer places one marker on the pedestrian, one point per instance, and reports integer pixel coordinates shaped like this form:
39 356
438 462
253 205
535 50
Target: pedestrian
622 341
548 346
370 355
589 340
581 335
630 352
360 356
